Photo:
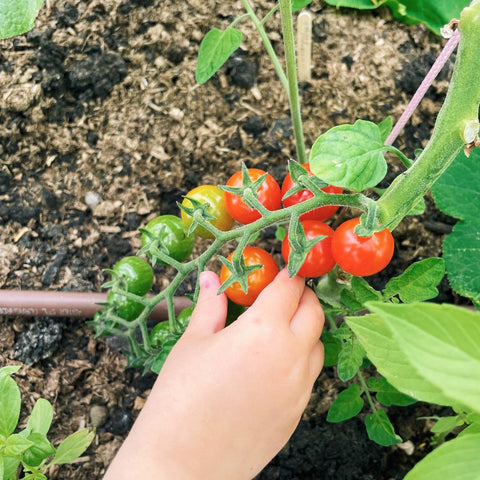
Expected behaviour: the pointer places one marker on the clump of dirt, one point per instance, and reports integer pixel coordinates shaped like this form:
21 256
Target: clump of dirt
102 127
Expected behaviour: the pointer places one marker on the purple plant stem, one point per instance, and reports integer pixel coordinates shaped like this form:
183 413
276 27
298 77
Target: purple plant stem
424 86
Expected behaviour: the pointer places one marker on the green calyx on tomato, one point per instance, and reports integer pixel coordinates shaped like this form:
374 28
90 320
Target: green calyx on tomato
135 273
320 213
257 277
311 255
169 235
214 210
361 256
266 191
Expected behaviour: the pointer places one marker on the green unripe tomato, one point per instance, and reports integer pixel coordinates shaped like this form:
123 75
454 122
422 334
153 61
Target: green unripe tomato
172 235
183 318
125 307
159 333
137 273
161 330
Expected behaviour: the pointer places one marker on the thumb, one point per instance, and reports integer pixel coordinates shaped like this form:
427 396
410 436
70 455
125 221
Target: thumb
210 312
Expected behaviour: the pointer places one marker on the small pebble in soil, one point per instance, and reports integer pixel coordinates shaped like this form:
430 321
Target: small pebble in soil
39 341
98 415
92 199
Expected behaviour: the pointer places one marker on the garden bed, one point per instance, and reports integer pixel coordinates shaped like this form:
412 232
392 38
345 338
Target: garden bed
102 127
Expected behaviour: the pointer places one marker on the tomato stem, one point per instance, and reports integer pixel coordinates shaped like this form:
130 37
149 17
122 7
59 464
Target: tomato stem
460 107
266 42
295 111
366 391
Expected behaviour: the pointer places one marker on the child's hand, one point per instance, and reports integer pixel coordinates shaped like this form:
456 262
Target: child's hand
228 399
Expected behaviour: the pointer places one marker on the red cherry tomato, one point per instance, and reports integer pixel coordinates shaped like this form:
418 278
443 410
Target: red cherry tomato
256 281
320 213
268 194
319 259
361 256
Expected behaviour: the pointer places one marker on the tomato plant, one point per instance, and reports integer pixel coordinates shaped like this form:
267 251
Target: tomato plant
124 307
268 195
361 256
319 259
320 213
215 198
256 280
136 273
169 234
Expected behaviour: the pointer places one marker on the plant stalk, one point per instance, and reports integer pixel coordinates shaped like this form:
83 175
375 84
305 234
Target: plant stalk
295 110
460 107
267 44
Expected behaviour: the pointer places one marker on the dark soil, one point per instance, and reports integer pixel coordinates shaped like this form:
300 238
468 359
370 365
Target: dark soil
102 127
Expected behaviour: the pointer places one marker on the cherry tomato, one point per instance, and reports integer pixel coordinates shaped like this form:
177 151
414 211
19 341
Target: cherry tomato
215 197
256 281
319 259
361 256
172 234
137 274
161 331
125 307
320 213
268 194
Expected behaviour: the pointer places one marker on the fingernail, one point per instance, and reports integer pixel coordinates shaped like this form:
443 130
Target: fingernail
205 280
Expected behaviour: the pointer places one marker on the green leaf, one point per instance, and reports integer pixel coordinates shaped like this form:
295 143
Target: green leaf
457 191
299 4
162 356
385 127
425 350
364 292
350 359
9 467
432 13
41 417
18 16
471 430
387 394
445 424
39 451
348 404
358 4
461 252
350 156
10 401
280 233
380 429
418 208
73 446
215 49
15 445
418 282
457 458
332 347
9 370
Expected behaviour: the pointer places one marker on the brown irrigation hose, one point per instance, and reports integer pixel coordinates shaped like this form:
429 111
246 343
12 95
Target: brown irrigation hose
29 303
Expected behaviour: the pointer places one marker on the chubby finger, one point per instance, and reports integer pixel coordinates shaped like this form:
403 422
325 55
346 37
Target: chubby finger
280 299
307 322
210 311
